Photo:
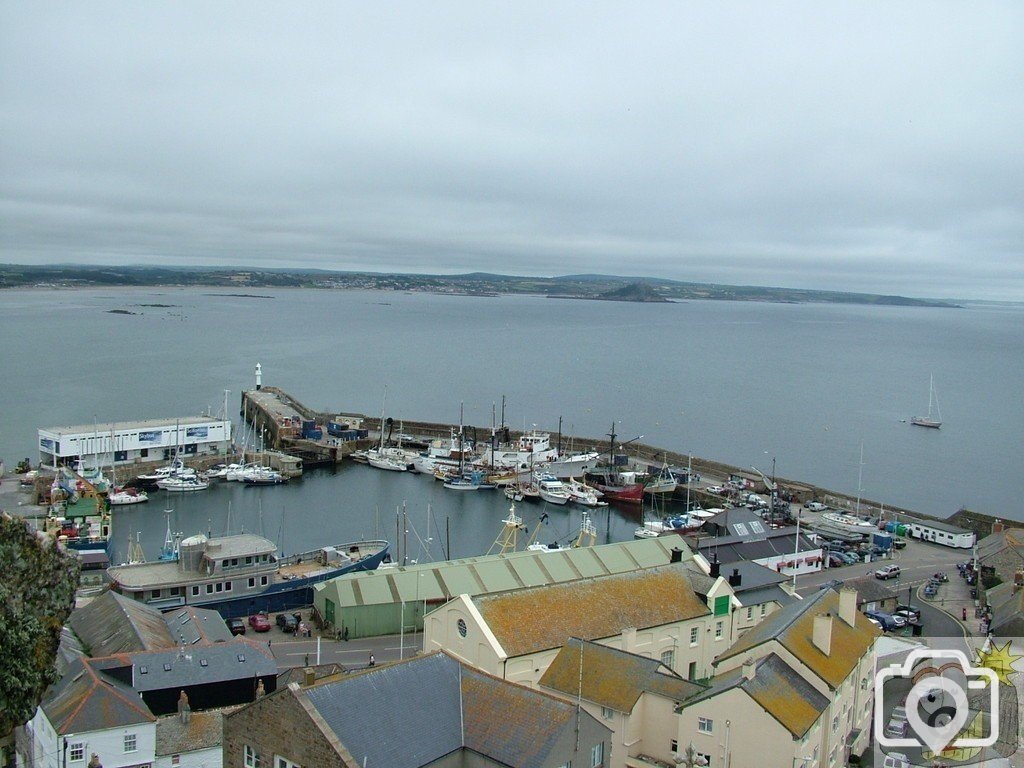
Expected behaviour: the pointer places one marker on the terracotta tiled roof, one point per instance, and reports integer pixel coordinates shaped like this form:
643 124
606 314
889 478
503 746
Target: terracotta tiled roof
793 627
777 688
529 620
613 678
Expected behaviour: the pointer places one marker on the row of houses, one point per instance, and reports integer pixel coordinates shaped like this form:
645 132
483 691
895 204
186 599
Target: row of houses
628 656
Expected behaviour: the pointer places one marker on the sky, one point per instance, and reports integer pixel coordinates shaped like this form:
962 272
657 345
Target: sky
860 146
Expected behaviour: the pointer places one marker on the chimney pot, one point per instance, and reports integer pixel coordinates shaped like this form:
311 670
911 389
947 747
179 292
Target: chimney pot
308 676
716 568
676 556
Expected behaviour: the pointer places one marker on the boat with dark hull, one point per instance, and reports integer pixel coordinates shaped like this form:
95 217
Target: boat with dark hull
241 574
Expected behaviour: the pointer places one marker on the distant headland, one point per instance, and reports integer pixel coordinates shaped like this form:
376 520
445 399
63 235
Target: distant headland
593 287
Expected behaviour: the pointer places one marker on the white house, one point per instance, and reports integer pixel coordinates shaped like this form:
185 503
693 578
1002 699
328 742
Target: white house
85 714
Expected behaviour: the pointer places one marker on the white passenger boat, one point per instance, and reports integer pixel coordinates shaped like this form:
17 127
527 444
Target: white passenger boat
176 468
125 496
581 493
575 465
552 490
530 450
182 484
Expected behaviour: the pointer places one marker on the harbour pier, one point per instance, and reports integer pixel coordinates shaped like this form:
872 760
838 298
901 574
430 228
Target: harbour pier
326 438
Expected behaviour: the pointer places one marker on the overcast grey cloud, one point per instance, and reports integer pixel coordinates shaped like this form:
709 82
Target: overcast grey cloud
851 146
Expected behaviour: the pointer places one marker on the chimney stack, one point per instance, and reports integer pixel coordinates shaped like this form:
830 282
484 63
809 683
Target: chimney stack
848 605
998 526
716 568
822 637
308 676
676 556
184 710
260 690
749 669
735 579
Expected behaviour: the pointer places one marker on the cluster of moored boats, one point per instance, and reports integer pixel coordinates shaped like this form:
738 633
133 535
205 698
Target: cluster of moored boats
526 468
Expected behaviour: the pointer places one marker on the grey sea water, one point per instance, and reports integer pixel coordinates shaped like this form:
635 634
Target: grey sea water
805 385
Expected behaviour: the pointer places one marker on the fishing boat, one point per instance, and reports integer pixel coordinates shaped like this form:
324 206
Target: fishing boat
474 480
663 482
126 496
573 465
533 448
934 422
616 486
440 452
581 493
241 574
552 490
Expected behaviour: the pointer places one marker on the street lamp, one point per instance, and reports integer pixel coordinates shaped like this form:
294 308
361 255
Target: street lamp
691 758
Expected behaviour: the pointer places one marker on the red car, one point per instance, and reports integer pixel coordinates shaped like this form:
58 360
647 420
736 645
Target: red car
259 623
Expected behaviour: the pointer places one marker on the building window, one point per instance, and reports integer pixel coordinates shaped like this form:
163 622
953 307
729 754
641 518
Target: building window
76 751
718 630
175 759
668 658
252 758
263 581
129 742
764 609
209 589
673 746
705 724
227 586
707 758
195 591
607 713
284 762
461 626
252 583
156 593
835 723
597 755
750 612
694 635
220 586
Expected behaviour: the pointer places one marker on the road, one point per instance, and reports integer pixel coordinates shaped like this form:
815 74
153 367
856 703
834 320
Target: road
353 654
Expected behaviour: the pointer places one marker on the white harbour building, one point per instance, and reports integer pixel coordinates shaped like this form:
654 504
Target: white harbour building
132 442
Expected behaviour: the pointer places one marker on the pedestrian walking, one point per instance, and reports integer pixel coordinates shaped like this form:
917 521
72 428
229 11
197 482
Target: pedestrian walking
372 662
963 614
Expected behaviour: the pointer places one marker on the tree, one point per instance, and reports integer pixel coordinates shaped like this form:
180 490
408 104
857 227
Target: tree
38 580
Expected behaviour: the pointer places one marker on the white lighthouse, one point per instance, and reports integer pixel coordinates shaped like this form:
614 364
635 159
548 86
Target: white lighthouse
259 376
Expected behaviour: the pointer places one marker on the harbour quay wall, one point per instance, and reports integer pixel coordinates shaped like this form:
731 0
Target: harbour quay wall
637 453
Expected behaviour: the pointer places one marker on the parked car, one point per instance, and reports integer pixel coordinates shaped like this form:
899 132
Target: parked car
913 612
815 506
888 572
851 557
898 543
259 622
896 728
287 623
876 622
886 620
930 590
715 489
835 560
236 626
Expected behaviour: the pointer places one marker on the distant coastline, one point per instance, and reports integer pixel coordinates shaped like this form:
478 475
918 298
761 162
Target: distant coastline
592 287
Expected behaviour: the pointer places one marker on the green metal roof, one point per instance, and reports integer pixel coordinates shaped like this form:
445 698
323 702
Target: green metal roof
490 574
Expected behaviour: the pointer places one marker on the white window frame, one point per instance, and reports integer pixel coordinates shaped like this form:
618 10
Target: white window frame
251 757
719 629
705 725
79 747
596 755
284 762
131 743
694 635
668 658
607 713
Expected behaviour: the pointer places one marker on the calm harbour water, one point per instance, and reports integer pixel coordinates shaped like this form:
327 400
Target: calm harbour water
805 385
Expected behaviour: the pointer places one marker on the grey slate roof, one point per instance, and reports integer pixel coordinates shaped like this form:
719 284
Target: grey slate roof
778 688
86 700
732 549
769 594
1007 609
224 661
391 700
444 706
869 589
113 624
